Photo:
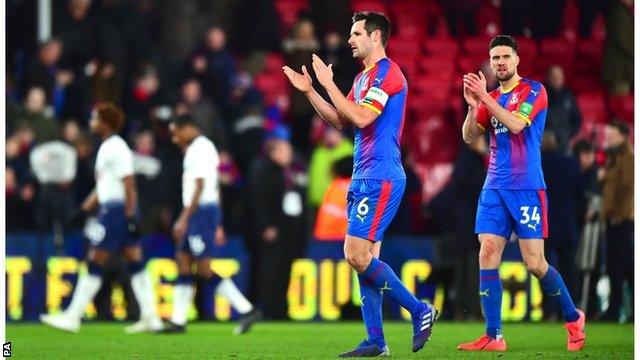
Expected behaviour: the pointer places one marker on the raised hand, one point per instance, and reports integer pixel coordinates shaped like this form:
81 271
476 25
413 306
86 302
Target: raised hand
324 73
477 85
471 99
302 82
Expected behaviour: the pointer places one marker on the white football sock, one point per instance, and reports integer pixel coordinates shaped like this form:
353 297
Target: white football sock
182 298
86 288
143 290
228 289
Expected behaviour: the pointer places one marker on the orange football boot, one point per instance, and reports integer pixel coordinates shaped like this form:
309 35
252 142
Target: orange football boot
575 333
485 343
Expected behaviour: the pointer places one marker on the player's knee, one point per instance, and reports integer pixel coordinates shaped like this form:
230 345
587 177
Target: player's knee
358 260
489 255
536 265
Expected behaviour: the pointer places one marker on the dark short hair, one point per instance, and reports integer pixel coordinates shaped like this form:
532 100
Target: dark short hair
375 21
582 146
185 120
621 126
504 40
110 114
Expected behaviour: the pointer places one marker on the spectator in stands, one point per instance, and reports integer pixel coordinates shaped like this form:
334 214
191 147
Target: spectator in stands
19 203
44 72
106 83
469 171
146 167
589 213
215 67
563 116
565 193
589 10
617 211
618 47
277 215
331 16
461 14
331 221
257 14
537 18
335 50
17 148
206 113
144 98
84 181
35 114
299 48
333 146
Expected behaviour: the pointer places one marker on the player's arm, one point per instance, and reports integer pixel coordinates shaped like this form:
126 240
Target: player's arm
130 196
471 128
90 203
303 83
478 86
359 115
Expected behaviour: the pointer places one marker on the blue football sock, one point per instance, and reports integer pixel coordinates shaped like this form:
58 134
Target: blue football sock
371 298
381 275
553 285
491 299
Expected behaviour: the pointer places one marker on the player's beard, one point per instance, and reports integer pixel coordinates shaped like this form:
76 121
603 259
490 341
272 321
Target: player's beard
505 77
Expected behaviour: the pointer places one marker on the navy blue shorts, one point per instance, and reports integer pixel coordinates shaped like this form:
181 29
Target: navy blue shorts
109 232
503 211
199 238
371 206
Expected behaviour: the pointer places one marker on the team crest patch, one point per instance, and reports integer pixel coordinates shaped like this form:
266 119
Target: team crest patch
525 109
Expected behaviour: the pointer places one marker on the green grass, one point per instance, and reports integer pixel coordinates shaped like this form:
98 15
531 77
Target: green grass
307 341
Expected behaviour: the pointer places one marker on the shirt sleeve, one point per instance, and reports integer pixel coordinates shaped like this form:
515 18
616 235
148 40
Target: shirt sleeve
482 117
123 161
201 161
532 103
385 82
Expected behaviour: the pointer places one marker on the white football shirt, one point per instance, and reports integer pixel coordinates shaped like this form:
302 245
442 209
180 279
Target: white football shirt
113 163
201 161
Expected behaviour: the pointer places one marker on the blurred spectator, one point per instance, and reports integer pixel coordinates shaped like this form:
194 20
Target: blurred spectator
77 31
563 116
618 47
407 217
84 181
215 67
334 16
461 14
335 50
144 98
70 132
205 113
565 192
247 137
106 84
54 165
146 167
17 148
37 116
252 15
589 256
331 222
469 171
18 202
589 10
44 72
333 147
277 213
537 18
299 48
617 212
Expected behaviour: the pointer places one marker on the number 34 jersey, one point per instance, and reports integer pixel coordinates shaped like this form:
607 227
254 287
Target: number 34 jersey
515 158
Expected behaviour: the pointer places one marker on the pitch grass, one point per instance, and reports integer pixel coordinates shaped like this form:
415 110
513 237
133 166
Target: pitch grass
287 340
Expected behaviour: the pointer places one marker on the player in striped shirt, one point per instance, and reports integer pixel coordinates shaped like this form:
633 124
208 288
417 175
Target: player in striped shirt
514 197
375 106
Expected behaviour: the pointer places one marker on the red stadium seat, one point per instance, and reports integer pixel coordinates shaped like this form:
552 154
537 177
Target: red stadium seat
592 107
476 46
273 63
430 87
621 107
446 47
555 51
473 63
585 83
271 86
589 56
437 65
400 46
368 5
488 20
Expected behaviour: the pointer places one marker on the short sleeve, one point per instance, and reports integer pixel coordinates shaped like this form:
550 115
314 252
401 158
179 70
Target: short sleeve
482 117
122 161
201 160
385 82
532 103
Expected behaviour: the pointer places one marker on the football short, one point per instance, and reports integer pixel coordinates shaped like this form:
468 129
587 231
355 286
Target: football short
199 238
503 211
371 206
109 231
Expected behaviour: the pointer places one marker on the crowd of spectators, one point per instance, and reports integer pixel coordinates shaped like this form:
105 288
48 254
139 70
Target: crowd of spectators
161 59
